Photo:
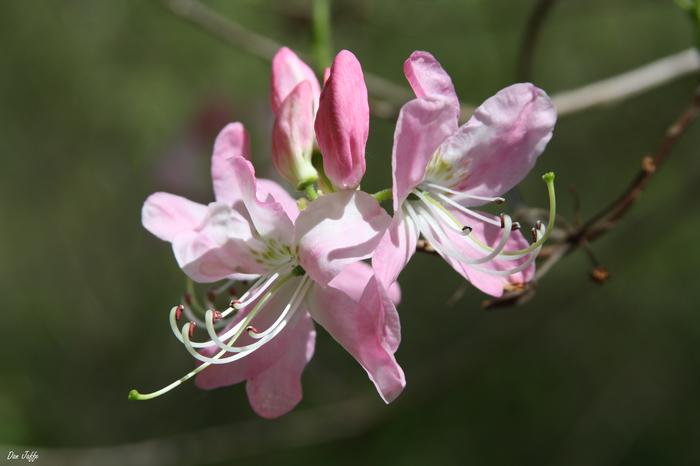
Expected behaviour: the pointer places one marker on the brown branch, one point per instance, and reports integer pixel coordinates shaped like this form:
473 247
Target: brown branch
607 218
535 21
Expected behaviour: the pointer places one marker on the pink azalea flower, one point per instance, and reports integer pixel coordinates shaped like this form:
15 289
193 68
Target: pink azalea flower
442 171
308 268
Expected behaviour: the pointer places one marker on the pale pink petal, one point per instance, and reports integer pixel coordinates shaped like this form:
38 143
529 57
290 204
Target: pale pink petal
268 216
232 141
355 277
222 375
218 248
288 70
167 215
342 122
499 145
267 188
338 229
368 329
277 390
396 248
423 124
490 235
293 137
427 79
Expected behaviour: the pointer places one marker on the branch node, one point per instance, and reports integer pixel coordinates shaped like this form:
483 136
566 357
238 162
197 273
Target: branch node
648 165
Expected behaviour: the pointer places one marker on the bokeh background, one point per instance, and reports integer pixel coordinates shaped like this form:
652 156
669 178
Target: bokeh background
102 103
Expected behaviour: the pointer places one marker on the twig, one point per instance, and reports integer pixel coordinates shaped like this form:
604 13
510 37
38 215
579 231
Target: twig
536 20
608 217
388 96
628 84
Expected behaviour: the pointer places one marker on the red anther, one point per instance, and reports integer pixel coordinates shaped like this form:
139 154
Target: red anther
466 229
216 316
250 328
503 220
187 298
534 235
211 296
178 312
190 331
538 224
499 201
515 226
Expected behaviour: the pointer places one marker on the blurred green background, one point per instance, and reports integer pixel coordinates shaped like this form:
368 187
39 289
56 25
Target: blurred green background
102 103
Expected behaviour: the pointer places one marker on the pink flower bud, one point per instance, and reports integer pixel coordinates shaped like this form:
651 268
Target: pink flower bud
287 71
293 137
342 122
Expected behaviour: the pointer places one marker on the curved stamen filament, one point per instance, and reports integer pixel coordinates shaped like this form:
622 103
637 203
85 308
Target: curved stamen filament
467 211
296 299
463 195
438 227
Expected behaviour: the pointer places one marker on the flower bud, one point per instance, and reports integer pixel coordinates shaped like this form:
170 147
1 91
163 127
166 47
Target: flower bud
288 70
293 137
342 122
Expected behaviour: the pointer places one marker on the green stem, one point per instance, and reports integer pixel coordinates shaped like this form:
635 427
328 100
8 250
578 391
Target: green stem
383 195
321 15
311 192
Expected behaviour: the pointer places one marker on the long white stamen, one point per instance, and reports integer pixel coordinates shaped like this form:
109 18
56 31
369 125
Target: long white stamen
467 211
438 228
291 305
463 195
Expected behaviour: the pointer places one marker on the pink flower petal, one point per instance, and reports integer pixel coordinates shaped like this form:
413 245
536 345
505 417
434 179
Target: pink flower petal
267 188
355 277
288 70
232 141
218 248
268 216
277 390
427 79
499 145
166 215
342 122
338 229
395 250
368 329
423 124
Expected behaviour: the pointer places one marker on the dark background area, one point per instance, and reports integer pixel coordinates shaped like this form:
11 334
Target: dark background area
102 103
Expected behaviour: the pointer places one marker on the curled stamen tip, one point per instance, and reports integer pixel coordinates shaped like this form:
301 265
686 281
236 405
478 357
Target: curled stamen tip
190 329
466 230
216 316
515 226
503 220
251 329
178 312
134 394
538 224
234 303
499 200
534 235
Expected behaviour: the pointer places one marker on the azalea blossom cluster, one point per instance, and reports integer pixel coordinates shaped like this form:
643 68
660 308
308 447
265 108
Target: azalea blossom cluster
307 258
